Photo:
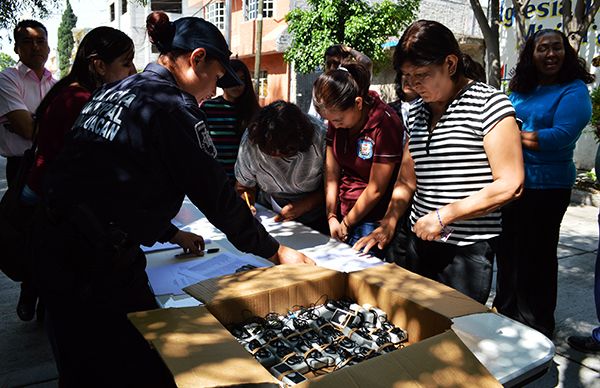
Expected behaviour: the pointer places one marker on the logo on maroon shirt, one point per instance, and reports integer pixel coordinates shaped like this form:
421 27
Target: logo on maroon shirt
365 147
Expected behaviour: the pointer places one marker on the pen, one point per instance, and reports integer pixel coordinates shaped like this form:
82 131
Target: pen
184 255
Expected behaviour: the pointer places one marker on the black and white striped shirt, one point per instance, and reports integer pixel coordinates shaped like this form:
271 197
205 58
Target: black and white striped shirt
451 163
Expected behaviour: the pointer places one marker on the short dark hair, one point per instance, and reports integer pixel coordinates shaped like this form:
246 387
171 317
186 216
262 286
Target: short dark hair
28 23
473 69
334 56
281 127
338 88
427 42
526 77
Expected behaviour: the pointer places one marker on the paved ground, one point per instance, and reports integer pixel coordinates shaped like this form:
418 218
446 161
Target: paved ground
26 359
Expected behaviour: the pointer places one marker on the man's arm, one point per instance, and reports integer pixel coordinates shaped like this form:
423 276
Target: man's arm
20 122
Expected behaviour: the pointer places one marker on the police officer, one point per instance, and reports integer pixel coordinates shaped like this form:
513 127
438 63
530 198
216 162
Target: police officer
137 148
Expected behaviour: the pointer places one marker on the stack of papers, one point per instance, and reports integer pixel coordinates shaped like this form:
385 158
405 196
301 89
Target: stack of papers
172 278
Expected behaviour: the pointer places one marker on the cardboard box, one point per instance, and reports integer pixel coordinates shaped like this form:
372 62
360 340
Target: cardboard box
200 352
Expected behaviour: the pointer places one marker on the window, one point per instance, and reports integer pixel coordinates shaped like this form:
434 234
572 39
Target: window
123 6
263 84
171 6
251 9
215 13
112 12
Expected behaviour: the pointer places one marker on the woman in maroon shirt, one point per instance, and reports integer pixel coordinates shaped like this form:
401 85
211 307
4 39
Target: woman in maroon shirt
104 55
364 150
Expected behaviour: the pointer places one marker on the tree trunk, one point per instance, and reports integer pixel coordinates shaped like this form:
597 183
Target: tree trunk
518 11
493 49
491 38
576 23
258 50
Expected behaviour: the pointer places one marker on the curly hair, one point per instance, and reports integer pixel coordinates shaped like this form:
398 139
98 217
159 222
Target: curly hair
526 75
281 128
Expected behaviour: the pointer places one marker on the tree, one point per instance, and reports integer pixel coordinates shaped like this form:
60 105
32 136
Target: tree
11 10
6 61
575 21
491 36
355 23
65 39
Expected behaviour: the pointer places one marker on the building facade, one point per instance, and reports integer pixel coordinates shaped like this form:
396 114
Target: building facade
237 19
130 17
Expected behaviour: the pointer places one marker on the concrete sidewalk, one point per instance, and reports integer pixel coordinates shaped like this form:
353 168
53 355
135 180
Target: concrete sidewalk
26 359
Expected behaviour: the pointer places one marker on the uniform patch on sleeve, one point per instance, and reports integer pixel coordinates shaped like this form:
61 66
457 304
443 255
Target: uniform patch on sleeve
204 140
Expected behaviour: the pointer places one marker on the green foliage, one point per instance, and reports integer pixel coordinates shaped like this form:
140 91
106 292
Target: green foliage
595 121
355 23
11 11
65 39
6 61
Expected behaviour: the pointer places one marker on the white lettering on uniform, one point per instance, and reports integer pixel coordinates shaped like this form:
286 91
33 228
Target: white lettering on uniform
103 114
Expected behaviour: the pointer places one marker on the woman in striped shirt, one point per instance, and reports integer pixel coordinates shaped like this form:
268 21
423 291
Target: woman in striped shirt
227 117
462 162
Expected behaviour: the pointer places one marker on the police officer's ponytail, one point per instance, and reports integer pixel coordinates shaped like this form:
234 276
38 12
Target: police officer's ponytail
160 31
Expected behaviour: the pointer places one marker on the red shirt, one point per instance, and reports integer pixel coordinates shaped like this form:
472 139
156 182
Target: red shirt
379 141
56 121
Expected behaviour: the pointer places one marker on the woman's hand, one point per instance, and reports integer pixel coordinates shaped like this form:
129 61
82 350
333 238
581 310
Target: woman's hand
381 237
338 229
428 227
287 255
190 242
291 211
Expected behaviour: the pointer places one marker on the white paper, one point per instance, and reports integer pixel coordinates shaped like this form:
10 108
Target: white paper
172 278
159 247
275 206
179 301
341 257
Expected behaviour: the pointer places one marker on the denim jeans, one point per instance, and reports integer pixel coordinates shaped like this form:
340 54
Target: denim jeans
362 230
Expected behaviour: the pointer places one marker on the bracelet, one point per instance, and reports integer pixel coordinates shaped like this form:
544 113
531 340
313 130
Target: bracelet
446 231
331 215
437 212
345 223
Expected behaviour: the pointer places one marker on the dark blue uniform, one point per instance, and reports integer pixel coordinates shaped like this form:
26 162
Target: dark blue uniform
137 148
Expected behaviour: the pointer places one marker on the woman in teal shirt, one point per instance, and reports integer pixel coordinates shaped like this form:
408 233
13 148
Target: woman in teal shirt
552 101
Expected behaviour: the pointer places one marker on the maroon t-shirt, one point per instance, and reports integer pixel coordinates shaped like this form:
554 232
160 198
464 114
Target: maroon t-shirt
379 141
56 121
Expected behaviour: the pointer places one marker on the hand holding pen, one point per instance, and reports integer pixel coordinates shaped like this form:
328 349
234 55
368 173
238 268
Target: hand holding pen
252 208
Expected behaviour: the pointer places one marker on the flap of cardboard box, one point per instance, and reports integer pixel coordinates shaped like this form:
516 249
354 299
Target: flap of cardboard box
198 350
392 279
439 361
265 290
